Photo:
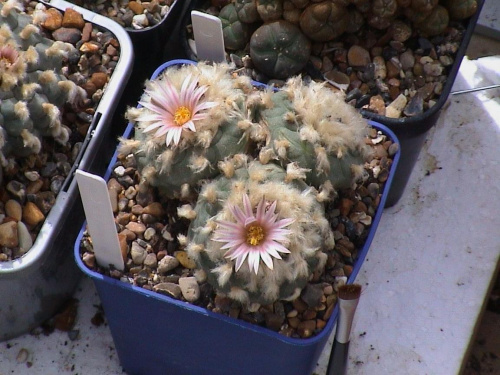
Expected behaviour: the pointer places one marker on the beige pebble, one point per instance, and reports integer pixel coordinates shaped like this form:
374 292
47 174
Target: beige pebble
185 260
14 209
8 234
32 214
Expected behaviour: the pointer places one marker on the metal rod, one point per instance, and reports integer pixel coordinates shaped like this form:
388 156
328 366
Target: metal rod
475 89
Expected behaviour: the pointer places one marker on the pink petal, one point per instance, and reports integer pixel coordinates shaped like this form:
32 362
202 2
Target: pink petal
253 261
267 259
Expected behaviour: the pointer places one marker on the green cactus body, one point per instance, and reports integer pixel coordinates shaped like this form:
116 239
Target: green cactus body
310 233
461 9
247 11
311 126
324 21
435 23
32 84
270 10
221 134
235 32
279 49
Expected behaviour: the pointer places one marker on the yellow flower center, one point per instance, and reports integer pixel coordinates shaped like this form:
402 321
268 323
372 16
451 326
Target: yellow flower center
182 115
255 234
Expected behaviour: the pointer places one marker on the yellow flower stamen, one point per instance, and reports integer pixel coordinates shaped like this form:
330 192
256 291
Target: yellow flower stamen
255 234
182 115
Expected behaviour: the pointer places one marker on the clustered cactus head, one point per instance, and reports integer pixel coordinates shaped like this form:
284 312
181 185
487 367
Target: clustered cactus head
202 109
253 168
316 132
33 87
259 215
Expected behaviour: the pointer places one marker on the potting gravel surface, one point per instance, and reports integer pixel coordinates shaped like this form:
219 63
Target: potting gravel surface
30 185
136 15
148 228
394 72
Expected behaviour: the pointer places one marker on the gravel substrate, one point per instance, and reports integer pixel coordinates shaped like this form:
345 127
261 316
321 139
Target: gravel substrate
136 15
394 72
30 186
148 227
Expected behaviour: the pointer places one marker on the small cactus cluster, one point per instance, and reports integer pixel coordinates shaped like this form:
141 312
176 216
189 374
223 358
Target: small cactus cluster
279 34
33 87
253 168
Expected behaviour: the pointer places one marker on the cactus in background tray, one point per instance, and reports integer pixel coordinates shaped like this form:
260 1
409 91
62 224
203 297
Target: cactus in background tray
279 49
314 130
191 118
258 214
33 88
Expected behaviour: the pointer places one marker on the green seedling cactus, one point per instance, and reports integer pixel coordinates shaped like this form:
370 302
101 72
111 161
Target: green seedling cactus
324 21
258 214
313 130
270 10
247 11
236 33
279 49
191 118
33 89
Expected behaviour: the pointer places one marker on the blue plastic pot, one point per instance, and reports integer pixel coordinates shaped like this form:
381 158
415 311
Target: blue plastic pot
157 335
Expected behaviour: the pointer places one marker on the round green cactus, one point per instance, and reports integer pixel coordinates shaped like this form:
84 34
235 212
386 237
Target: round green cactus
270 10
259 191
324 21
435 23
460 9
200 117
279 49
236 33
247 11
312 128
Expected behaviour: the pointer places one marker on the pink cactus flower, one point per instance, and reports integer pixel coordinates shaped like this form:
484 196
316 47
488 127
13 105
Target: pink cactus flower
256 236
173 111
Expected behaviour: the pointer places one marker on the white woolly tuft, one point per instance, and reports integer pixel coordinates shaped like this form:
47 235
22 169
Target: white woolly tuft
193 250
295 172
223 272
183 240
29 89
31 55
28 30
186 211
185 191
199 163
11 5
31 141
47 76
281 146
266 154
200 275
227 168
21 110
63 135
239 295
209 193
127 146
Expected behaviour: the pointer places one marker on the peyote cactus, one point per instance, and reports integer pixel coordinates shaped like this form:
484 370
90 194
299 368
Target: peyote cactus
236 32
312 127
258 214
207 107
260 166
33 88
279 49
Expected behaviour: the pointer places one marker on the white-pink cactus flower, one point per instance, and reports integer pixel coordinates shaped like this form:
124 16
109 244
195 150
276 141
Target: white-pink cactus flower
171 111
256 236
